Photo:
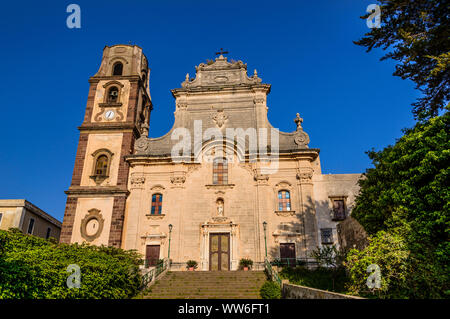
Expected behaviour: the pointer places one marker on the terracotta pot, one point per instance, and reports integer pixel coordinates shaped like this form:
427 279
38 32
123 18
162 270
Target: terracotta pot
191 268
245 268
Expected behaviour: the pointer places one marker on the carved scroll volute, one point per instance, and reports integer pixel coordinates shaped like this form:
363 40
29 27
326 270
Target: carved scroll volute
261 179
301 138
142 145
137 181
178 179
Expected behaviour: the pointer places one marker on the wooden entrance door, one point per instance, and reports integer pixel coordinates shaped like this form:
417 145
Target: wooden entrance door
151 255
287 254
219 251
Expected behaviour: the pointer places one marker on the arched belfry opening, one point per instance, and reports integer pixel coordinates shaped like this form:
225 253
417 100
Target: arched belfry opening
117 68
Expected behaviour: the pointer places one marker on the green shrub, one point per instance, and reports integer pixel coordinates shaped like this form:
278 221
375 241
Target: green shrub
390 253
191 263
245 263
270 290
32 267
328 256
331 279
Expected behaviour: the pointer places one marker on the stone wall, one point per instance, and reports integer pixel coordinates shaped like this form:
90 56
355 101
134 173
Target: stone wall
290 291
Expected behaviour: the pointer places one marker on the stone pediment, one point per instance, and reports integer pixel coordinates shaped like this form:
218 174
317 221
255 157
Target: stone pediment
221 73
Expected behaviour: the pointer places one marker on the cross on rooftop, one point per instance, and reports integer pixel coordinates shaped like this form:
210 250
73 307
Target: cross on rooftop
221 52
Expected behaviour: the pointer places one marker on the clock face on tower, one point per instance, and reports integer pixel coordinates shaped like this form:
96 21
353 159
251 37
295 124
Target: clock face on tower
109 115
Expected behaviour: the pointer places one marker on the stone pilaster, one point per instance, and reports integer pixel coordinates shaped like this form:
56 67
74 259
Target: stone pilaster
305 185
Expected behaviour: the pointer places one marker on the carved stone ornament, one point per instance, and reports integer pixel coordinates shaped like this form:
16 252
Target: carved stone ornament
219 118
305 175
177 180
286 235
142 144
92 225
157 188
300 136
155 216
151 237
137 180
220 219
285 213
182 105
298 120
221 72
261 179
301 139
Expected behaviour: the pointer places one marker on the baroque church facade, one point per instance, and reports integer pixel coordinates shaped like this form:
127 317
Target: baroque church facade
192 194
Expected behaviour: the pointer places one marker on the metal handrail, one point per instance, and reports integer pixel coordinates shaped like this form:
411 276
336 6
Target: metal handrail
293 262
273 274
153 273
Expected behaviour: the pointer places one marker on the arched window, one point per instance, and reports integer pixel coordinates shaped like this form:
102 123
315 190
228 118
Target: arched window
101 165
117 68
220 171
156 204
113 95
284 200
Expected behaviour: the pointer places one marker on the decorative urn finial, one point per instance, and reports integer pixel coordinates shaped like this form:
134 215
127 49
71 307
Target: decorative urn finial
298 120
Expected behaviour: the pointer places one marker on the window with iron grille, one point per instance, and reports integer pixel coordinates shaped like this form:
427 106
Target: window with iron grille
156 204
338 209
220 171
284 201
327 235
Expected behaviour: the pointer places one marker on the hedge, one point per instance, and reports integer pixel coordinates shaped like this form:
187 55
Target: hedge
35 268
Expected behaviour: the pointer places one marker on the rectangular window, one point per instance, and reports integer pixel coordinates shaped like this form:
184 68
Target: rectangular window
338 209
156 204
1 215
47 236
220 172
30 226
284 201
327 235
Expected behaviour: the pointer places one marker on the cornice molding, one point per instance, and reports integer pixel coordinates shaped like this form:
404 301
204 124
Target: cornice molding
131 78
89 190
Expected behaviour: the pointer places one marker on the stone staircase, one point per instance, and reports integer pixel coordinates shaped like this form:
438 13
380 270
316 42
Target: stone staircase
208 285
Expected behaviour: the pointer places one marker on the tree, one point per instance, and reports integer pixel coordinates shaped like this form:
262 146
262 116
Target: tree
407 193
416 32
328 256
390 254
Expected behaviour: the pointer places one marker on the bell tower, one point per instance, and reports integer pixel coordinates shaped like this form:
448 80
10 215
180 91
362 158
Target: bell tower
117 113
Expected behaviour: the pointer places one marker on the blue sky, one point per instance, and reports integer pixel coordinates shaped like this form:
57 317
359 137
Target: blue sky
349 100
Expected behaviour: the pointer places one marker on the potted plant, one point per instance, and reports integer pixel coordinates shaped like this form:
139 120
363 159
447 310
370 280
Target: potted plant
245 263
191 265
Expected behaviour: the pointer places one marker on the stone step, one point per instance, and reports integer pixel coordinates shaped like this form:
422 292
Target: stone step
208 284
